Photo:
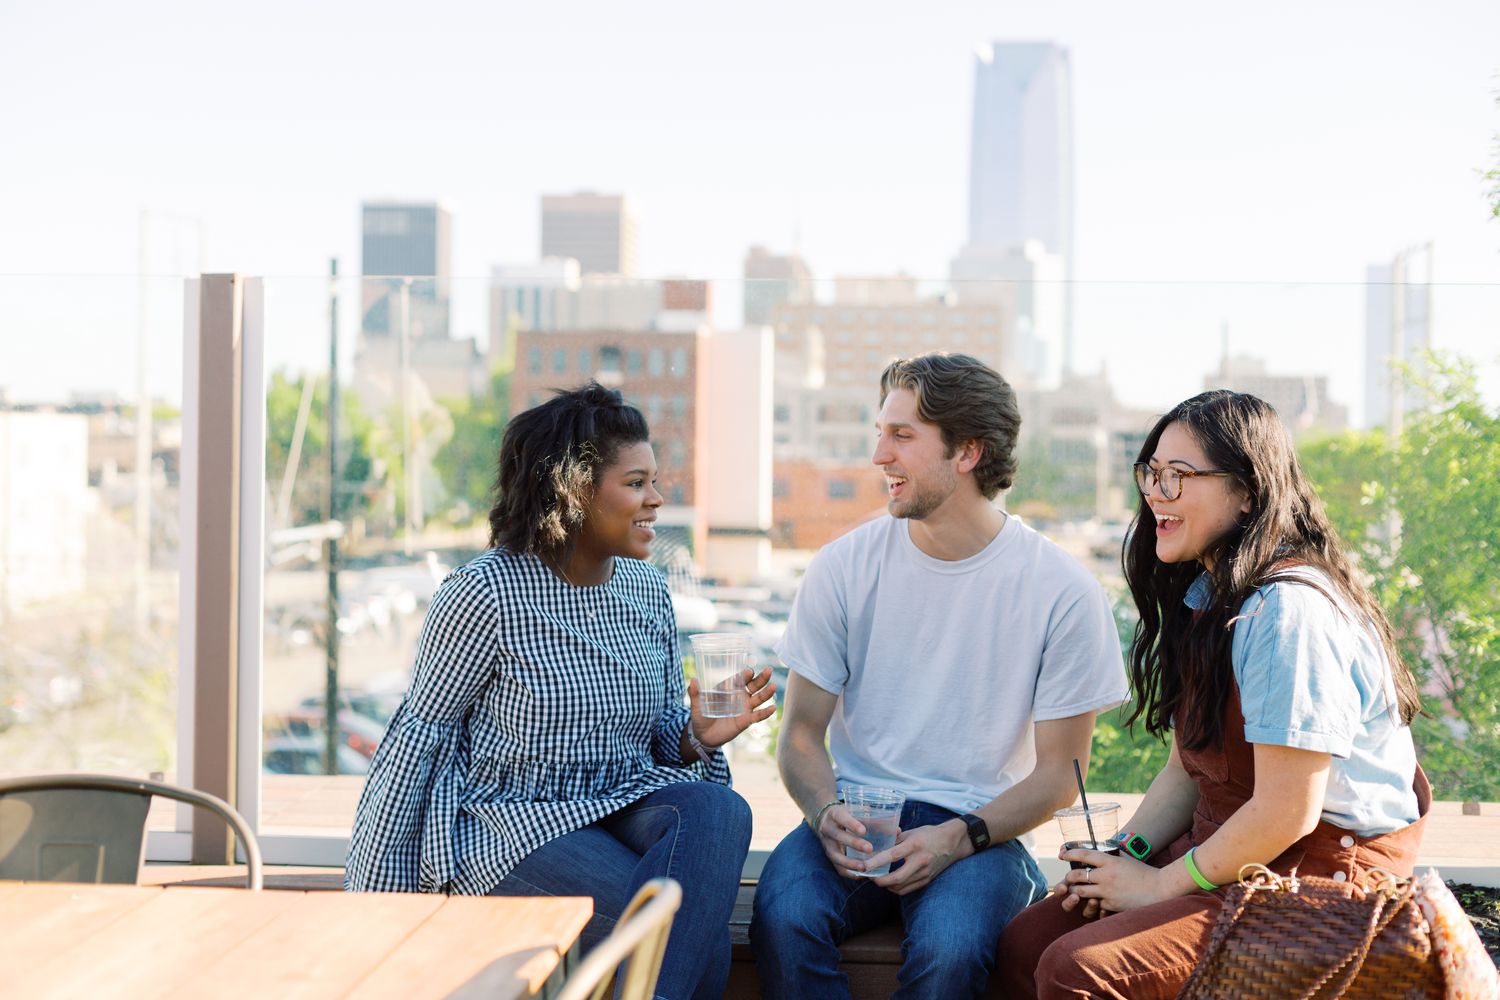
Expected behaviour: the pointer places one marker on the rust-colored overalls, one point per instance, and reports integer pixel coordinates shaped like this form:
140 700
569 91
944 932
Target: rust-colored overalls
1149 951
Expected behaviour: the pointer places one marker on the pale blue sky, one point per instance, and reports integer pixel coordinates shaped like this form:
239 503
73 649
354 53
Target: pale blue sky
1284 142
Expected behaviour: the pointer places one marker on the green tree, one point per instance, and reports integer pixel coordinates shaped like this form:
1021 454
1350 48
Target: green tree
466 464
358 476
429 429
1055 479
1124 758
1423 513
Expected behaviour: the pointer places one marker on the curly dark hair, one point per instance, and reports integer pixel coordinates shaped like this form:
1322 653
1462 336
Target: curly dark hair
1179 659
550 461
968 401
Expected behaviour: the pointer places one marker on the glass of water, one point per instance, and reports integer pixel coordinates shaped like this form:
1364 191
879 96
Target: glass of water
879 809
719 660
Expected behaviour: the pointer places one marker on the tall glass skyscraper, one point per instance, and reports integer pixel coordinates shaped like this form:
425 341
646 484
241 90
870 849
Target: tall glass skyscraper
1021 160
1021 191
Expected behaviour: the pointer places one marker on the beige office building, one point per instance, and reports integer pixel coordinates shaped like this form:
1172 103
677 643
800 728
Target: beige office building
597 230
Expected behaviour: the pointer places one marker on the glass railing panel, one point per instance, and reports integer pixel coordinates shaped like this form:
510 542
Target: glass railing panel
761 397
90 457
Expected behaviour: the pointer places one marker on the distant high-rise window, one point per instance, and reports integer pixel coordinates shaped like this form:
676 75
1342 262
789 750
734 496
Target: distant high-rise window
585 361
534 361
679 362
632 362
656 361
559 361
840 489
387 222
411 241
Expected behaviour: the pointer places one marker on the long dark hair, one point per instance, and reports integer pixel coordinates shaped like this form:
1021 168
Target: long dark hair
550 460
1180 659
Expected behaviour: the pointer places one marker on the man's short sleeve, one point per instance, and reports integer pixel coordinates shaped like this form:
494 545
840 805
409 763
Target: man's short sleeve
1296 690
816 641
1081 669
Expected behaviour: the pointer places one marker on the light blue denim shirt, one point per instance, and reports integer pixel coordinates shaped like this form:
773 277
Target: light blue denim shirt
1313 676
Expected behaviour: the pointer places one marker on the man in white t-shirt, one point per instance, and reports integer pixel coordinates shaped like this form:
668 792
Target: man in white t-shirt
947 651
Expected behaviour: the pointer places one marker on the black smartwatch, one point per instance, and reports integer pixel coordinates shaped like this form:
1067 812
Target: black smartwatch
979 834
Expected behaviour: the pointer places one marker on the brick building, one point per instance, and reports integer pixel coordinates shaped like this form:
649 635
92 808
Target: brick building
812 503
656 371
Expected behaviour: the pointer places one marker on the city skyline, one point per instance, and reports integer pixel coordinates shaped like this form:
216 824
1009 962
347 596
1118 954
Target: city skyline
1238 153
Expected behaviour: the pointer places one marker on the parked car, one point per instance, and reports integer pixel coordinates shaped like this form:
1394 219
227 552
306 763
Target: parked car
377 706
358 732
304 755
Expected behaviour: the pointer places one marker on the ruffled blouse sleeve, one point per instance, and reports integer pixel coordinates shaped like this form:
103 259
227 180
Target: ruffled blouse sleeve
403 839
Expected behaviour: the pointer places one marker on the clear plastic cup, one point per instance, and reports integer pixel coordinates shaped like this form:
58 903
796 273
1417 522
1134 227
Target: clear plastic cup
879 809
719 661
1105 819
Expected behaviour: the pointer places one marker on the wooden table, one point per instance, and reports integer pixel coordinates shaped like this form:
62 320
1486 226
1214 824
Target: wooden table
61 940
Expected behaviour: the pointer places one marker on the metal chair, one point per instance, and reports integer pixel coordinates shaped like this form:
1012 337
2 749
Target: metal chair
640 936
92 827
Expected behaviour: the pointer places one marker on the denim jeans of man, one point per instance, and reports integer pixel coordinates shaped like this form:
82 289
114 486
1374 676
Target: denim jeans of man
696 832
804 910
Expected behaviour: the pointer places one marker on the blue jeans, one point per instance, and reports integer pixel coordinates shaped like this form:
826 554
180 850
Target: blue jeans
804 910
696 832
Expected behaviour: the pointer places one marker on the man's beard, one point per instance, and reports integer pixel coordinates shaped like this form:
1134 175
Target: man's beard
922 503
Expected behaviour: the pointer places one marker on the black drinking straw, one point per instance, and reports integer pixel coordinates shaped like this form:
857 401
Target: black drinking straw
1078 773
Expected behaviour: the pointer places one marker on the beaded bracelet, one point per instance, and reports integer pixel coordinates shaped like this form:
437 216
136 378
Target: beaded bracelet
817 823
1192 869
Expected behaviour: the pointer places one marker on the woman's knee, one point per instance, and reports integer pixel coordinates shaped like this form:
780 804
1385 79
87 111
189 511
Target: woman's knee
1064 969
715 806
1028 936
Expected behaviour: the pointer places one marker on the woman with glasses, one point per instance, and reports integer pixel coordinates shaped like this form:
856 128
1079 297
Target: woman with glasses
544 747
1273 670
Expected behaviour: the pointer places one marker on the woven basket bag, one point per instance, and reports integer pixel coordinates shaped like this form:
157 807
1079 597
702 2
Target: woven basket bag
1289 938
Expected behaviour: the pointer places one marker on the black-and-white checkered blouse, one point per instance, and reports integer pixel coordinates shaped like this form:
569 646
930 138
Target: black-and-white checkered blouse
535 708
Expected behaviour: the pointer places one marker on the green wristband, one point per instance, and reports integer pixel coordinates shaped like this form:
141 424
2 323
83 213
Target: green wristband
1192 869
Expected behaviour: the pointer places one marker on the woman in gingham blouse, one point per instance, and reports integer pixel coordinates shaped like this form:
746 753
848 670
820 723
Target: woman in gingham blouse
543 747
